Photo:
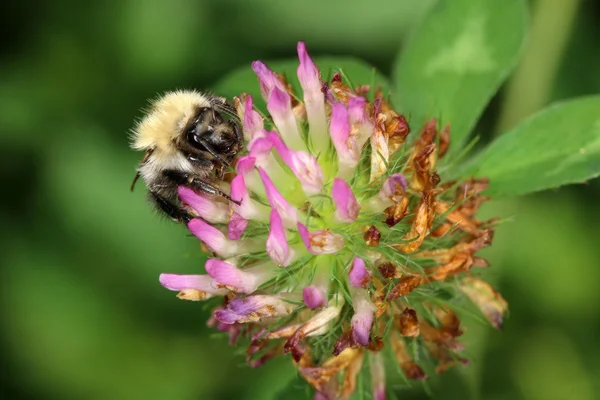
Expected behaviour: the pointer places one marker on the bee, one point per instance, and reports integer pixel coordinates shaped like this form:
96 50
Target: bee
189 139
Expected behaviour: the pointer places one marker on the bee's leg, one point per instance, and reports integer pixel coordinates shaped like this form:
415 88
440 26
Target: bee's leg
206 187
221 104
238 134
195 183
169 209
213 152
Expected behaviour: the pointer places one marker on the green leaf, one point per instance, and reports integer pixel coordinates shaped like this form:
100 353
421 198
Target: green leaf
356 71
456 60
557 146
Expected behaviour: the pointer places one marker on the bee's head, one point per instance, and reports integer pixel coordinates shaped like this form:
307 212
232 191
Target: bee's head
209 134
191 123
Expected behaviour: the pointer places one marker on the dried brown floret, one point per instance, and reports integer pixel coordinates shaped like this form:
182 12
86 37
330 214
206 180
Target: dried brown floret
490 302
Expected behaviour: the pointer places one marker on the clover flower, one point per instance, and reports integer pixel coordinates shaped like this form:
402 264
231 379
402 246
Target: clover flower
347 251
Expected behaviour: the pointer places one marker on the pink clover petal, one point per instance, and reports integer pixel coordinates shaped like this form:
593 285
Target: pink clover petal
392 185
277 245
392 192
320 242
303 165
280 108
253 122
356 110
253 309
239 191
208 209
314 297
227 316
308 73
314 99
176 282
248 209
286 211
362 127
235 279
245 164
362 320
216 240
359 274
361 327
308 171
339 128
347 207
236 227
329 97
261 150
280 103
250 304
345 144
268 79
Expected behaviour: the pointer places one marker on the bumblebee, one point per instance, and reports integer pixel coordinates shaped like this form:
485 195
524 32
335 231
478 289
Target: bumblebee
189 139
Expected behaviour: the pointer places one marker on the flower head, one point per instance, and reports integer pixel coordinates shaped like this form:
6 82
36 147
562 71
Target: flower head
342 237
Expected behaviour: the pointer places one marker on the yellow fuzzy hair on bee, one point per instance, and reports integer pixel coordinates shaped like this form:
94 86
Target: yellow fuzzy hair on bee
165 120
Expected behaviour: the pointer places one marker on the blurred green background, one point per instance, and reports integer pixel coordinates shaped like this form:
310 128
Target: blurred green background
83 315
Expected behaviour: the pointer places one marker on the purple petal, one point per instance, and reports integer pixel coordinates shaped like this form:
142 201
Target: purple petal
179 282
239 191
359 120
339 128
308 171
345 144
304 235
362 320
248 209
251 304
253 122
243 281
280 103
280 108
347 207
314 99
356 109
245 164
320 242
217 242
277 245
214 239
314 297
303 165
393 187
236 227
246 305
261 150
361 327
209 209
308 73
254 308
286 211
359 275
227 316
268 79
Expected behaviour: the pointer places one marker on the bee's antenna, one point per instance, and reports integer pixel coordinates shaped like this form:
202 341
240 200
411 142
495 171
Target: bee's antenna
137 176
